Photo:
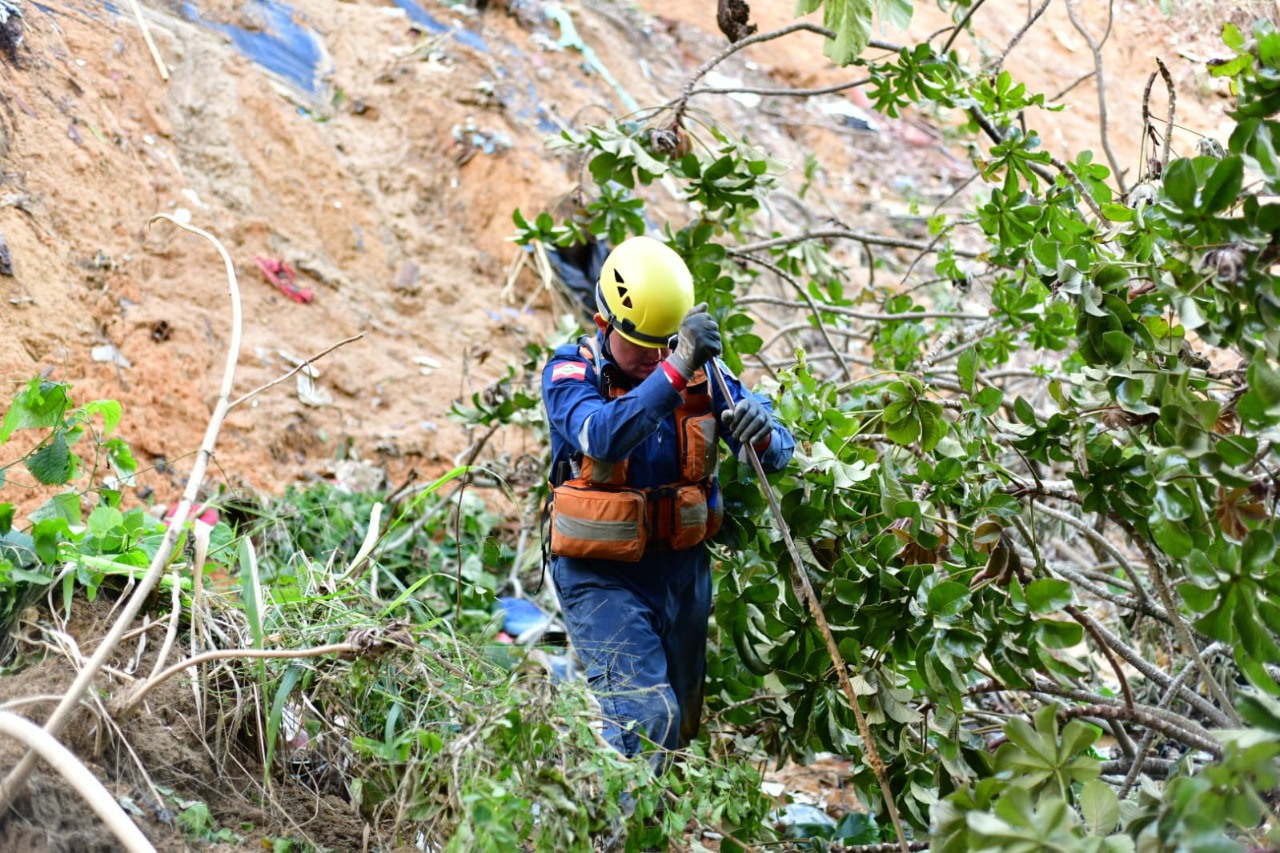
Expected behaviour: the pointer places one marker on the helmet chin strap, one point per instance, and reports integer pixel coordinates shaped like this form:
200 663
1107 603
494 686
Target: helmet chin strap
607 349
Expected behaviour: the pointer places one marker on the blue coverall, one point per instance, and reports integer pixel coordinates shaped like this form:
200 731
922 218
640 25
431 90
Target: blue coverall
640 629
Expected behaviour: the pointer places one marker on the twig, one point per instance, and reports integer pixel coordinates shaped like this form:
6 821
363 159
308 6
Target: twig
1144 748
256 391
814 311
682 100
783 93
1169 722
847 234
1159 676
870 316
1095 46
1102 542
1075 182
1017 37
1070 86
43 743
959 27
136 695
1076 614
1184 633
151 45
1137 606
1143 717
1173 100
14 781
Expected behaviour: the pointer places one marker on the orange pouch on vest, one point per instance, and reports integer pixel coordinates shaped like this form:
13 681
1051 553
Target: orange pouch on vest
598 523
683 517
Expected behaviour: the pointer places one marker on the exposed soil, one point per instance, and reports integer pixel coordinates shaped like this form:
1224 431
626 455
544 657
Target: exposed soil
389 189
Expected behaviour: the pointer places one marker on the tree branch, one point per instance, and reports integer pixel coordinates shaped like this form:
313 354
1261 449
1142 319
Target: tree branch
682 101
846 234
1096 48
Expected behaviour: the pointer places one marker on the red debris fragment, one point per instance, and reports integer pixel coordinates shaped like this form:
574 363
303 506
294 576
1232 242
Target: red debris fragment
282 276
198 512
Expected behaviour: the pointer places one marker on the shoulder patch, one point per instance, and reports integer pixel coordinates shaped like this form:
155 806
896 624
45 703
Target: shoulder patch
568 370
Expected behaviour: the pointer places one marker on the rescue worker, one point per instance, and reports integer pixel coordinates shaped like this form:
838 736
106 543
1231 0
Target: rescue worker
635 427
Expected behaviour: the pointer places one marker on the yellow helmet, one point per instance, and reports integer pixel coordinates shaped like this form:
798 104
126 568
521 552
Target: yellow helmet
644 291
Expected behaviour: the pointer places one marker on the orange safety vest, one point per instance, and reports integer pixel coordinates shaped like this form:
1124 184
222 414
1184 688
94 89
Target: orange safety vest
596 515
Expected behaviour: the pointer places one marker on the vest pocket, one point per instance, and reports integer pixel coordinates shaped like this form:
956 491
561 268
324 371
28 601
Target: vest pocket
597 523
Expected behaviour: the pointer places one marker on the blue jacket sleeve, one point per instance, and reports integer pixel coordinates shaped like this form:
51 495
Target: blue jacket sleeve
575 408
781 442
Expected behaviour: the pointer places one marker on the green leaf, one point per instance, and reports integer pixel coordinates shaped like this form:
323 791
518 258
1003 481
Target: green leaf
51 464
6 518
1100 807
967 368
1172 537
933 427
904 432
948 599
1223 185
1117 347
1180 184
103 520
39 406
1048 595
65 507
110 410
1231 36
851 22
251 592
989 400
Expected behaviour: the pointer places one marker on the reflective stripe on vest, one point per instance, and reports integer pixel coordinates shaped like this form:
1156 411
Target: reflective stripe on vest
597 530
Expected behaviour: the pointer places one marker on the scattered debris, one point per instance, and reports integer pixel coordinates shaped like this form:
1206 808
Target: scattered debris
6 263
198 512
847 113
283 277
161 331
716 80
426 364
10 28
309 391
474 141
110 353
356 475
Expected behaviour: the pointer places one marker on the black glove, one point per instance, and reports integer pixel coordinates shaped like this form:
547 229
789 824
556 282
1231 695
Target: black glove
697 342
749 421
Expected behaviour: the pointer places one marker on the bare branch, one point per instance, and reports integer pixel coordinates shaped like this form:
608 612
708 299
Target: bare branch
301 365
1184 633
846 234
1017 37
681 102
813 309
782 93
959 27
1173 100
1096 47
870 316
1199 738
